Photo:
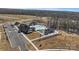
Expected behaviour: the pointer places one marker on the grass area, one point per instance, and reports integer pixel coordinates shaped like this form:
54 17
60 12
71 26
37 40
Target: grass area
10 17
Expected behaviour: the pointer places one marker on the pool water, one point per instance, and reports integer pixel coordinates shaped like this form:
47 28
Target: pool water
39 27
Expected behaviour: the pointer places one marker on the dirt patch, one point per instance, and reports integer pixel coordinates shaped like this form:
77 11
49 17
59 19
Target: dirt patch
33 35
62 41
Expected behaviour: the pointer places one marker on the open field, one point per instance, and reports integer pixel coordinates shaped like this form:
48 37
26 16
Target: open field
11 18
65 40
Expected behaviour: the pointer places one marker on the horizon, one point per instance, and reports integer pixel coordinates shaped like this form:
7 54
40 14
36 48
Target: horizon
50 9
57 9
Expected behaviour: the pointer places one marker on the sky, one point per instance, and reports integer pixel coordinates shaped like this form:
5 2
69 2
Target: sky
57 5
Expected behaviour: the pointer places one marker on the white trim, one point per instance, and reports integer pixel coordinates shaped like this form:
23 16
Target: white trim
30 41
45 36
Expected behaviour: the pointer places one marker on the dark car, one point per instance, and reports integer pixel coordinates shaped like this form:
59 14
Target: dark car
24 28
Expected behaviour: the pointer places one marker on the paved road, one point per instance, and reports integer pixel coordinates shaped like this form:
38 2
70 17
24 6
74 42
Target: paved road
16 39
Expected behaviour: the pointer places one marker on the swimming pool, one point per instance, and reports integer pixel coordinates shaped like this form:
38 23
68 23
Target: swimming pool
39 27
